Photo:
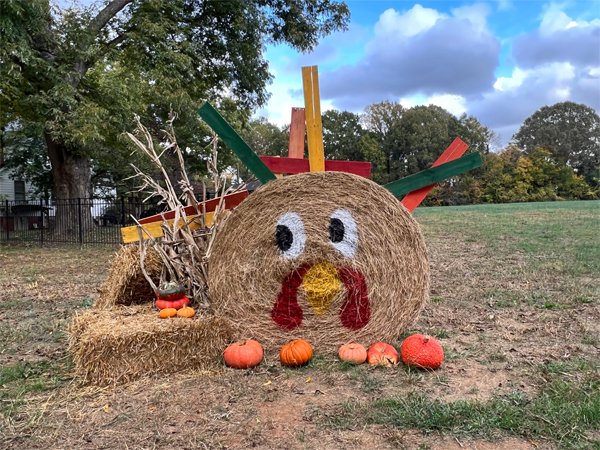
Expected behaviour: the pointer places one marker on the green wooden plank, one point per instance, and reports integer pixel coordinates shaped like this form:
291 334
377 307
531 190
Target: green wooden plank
236 143
434 174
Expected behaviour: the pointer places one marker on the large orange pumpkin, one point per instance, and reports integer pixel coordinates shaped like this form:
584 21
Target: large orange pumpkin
422 351
243 354
381 353
295 353
355 353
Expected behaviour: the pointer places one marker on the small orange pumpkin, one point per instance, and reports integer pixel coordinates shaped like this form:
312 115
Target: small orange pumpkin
295 353
186 311
422 351
167 312
381 353
355 353
243 354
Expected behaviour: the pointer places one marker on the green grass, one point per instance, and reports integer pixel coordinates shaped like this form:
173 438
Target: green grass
564 410
561 412
16 381
546 229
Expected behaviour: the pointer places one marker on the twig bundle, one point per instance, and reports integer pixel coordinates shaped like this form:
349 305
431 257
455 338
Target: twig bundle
271 266
184 252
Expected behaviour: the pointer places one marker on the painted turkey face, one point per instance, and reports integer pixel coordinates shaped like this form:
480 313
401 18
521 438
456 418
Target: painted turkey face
328 257
322 281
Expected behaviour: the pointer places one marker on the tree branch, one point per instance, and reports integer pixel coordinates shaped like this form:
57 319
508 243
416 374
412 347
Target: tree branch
106 14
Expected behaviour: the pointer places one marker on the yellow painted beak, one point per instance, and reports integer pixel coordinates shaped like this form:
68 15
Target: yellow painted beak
321 284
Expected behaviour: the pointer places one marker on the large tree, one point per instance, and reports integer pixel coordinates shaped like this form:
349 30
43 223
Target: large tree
342 133
571 131
82 72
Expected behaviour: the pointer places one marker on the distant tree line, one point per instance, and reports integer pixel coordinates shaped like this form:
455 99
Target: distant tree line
554 155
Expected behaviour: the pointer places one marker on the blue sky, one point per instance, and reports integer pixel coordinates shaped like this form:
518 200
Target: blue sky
499 61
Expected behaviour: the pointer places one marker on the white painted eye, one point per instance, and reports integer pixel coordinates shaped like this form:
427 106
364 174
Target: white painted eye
343 233
289 235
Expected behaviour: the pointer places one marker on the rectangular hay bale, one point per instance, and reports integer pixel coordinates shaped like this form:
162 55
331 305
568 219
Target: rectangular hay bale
127 343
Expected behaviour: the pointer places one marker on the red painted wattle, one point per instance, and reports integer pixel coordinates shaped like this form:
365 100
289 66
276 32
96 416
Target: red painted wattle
354 313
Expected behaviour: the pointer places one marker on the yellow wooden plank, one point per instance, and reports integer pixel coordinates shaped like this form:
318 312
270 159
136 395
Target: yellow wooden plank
130 234
314 128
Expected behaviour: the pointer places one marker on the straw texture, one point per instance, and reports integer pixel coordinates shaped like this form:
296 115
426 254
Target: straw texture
127 343
126 284
271 267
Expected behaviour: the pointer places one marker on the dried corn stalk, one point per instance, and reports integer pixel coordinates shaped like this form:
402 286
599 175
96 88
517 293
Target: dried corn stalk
184 252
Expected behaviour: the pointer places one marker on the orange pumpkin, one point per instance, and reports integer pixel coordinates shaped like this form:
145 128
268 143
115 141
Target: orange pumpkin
381 353
295 353
422 351
355 353
243 354
186 311
167 312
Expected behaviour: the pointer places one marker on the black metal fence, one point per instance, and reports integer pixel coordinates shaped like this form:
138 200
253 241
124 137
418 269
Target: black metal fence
82 221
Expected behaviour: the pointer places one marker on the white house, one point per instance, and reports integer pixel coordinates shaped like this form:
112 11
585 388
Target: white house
11 189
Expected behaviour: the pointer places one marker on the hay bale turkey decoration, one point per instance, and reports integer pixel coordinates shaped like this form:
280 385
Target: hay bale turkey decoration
326 256
322 255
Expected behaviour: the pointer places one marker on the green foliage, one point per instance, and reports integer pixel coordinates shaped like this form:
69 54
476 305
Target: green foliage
80 74
342 135
568 130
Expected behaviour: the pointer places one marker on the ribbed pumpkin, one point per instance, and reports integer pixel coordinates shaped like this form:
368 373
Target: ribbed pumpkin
171 291
186 311
355 353
177 304
382 353
167 312
422 351
243 354
295 353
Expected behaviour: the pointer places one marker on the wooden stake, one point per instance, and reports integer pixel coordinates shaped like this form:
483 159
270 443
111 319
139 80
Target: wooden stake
297 132
314 128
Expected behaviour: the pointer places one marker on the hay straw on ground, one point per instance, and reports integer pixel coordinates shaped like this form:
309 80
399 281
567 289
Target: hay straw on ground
126 284
247 271
131 342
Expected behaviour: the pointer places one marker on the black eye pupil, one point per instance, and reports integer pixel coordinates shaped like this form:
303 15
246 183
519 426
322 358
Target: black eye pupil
336 230
284 238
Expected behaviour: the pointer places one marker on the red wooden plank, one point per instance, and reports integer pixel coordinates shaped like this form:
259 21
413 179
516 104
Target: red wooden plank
230 201
297 165
297 131
454 151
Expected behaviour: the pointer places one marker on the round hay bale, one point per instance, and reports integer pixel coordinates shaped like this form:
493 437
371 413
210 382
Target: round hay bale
126 284
328 257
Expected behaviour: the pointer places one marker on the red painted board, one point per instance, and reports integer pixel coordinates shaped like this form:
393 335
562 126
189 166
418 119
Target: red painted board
297 165
454 151
230 201
297 131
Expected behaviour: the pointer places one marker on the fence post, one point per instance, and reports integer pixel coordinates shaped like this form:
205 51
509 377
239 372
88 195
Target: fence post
7 227
80 224
122 210
41 222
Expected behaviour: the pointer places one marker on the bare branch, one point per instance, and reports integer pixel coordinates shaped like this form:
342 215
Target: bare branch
104 16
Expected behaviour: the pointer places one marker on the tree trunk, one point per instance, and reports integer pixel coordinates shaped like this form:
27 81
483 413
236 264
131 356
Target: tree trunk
72 176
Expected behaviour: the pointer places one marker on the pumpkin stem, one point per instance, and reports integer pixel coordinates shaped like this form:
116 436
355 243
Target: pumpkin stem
426 339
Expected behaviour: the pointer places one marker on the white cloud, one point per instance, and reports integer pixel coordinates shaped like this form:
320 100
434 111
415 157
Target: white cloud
554 19
412 22
455 104
476 14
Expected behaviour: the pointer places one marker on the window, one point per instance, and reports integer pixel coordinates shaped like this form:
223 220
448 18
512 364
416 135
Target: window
19 190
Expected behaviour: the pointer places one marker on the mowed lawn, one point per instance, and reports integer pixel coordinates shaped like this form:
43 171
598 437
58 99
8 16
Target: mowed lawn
515 302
